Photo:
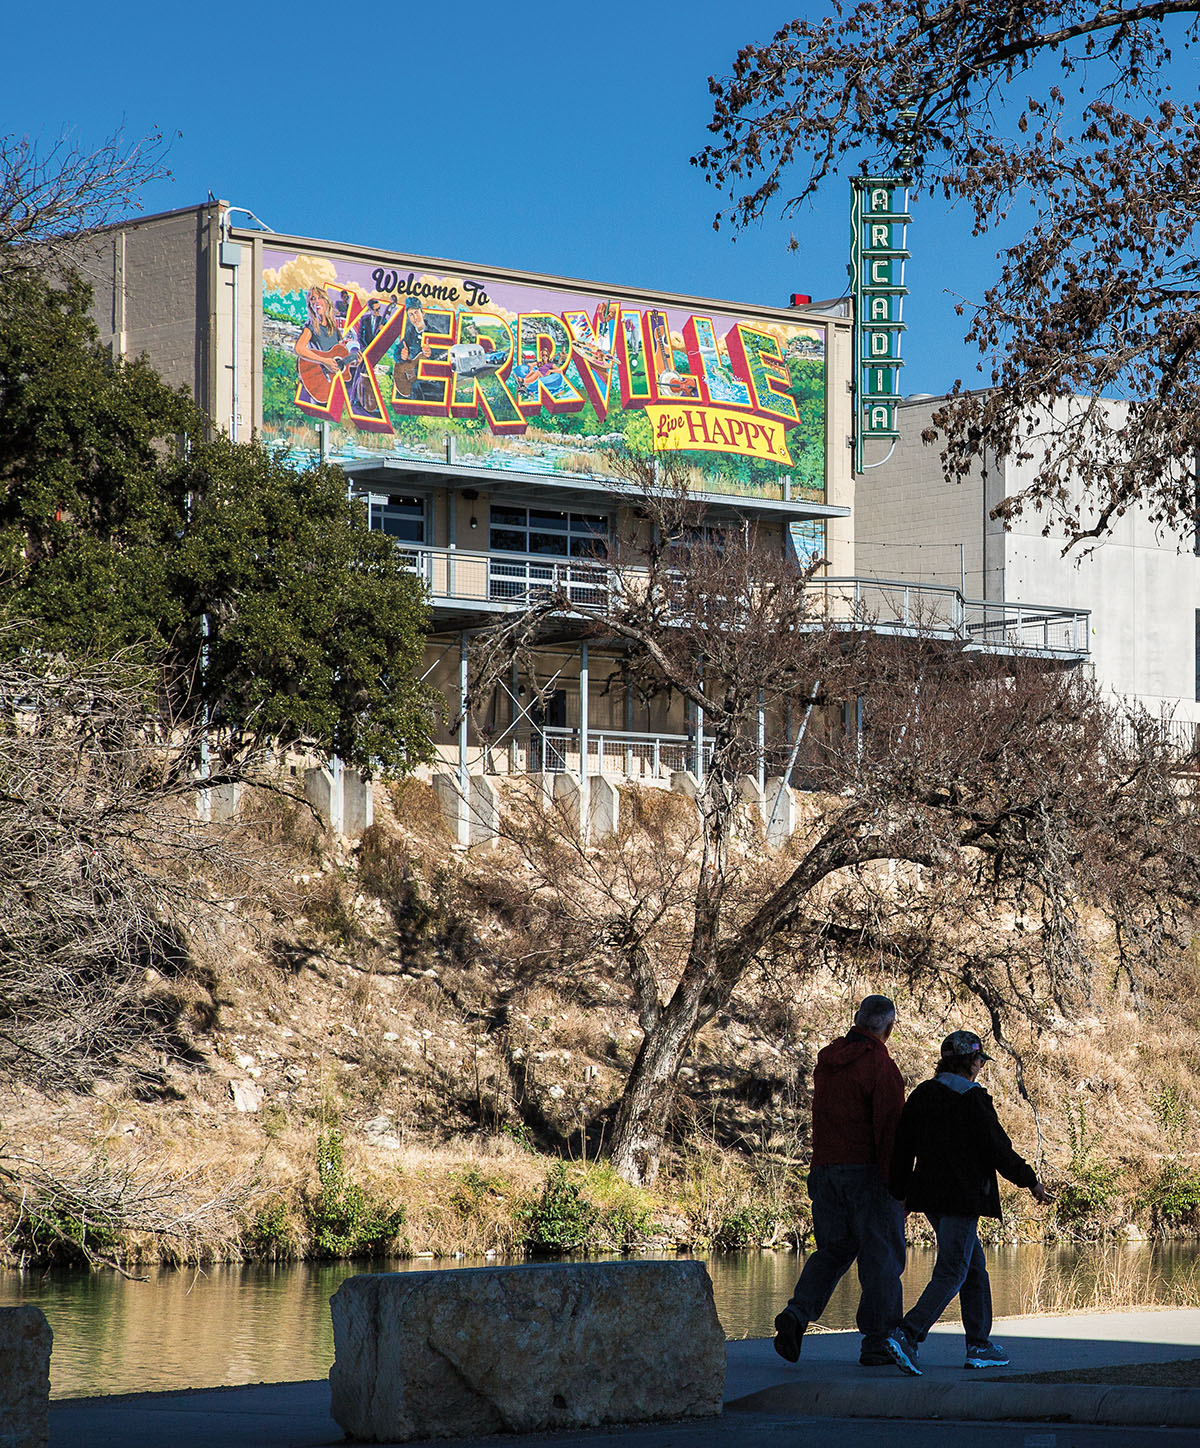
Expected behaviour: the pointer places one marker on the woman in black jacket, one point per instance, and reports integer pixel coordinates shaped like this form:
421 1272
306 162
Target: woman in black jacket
949 1147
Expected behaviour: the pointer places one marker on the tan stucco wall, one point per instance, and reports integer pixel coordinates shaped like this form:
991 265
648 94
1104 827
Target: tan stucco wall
151 281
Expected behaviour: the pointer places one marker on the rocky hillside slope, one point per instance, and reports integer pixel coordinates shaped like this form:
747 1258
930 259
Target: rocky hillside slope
380 1066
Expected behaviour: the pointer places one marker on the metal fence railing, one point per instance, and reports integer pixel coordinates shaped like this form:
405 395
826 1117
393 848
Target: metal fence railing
887 605
627 756
901 606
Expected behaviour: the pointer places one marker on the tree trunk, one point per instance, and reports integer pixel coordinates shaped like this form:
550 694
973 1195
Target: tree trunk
645 1110
646 1103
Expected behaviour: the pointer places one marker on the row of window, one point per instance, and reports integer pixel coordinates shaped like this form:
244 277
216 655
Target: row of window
544 531
548 532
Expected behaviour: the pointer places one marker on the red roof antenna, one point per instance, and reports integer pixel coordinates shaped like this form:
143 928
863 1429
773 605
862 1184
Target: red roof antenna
799 299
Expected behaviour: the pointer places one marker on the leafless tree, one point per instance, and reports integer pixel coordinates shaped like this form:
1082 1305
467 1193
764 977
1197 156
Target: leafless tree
53 195
1062 111
109 882
87 1207
993 826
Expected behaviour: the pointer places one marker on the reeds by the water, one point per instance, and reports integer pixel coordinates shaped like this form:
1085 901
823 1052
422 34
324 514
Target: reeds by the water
1108 1279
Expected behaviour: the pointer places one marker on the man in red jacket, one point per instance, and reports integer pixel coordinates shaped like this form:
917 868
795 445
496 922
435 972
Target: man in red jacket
858 1095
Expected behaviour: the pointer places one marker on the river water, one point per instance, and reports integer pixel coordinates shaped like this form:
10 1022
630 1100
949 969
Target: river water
250 1324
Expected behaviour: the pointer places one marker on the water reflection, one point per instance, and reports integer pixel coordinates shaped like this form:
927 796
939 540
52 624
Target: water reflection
239 1324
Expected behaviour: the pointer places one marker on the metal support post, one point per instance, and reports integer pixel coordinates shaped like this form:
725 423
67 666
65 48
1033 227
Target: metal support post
699 761
584 740
628 726
464 783
584 745
451 545
761 776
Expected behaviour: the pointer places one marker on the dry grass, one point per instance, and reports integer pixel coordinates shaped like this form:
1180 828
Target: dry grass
1109 1280
388 1004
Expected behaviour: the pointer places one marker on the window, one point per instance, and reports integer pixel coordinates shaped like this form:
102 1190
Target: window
548 532
400 518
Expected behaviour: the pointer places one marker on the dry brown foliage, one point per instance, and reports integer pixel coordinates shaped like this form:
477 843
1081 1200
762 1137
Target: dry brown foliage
987 807
1061 114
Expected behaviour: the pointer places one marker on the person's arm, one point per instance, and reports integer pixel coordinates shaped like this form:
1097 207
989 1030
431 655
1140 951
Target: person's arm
899 1173
1008 1162
887 1102
304 348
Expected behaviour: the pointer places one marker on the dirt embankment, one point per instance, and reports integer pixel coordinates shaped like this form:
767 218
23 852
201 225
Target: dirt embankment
391 1058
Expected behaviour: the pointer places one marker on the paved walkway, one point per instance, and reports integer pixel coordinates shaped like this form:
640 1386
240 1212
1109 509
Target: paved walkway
763 1395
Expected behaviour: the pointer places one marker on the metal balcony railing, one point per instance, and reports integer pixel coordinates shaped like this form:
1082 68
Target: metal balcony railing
887 605
900 606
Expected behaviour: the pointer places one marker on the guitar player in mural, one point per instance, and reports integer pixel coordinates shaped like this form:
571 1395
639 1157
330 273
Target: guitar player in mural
320 352
411 348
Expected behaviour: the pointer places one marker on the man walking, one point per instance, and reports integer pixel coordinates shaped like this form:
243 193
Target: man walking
949 1147
857 1097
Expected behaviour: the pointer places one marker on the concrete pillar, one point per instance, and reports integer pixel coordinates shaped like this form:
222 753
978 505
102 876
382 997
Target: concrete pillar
565 789
683 781
604 808
323 790
782 814
358 803
223 800
752 794
453 804
483 824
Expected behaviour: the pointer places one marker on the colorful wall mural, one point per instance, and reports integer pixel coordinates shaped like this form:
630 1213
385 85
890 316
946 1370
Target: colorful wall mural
404 362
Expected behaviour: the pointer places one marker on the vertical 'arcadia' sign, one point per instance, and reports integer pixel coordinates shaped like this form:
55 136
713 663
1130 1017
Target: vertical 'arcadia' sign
878 251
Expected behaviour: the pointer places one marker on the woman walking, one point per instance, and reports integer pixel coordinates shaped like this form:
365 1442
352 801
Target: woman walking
949 1147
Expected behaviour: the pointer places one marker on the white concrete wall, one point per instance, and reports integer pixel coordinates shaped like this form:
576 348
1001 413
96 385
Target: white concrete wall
1141 586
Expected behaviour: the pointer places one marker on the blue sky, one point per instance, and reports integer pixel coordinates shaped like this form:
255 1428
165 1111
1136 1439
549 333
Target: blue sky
532 137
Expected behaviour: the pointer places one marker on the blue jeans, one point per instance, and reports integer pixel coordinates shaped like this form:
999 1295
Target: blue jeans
960 1271
854 1217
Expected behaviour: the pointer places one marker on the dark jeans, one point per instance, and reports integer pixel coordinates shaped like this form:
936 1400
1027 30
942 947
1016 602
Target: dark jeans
960 1270
854 1216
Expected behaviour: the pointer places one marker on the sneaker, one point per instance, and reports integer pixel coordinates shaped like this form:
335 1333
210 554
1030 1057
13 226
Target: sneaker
789 1330
903 1349
985 1355
874 1358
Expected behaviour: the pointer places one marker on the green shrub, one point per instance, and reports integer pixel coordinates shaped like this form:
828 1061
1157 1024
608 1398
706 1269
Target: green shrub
561 1220
44 1234
1171 1112
271 1233
747 1226
518 1132
1174 1195
624 1226
1088 1188
342 1220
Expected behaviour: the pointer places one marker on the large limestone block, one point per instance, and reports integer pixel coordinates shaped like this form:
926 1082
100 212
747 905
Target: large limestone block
25 1339
518 1349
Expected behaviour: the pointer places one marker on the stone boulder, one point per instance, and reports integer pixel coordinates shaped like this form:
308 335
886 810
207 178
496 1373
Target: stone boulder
519 1349
25 1339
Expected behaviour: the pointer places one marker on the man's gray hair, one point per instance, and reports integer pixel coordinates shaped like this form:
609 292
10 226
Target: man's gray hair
876 1013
